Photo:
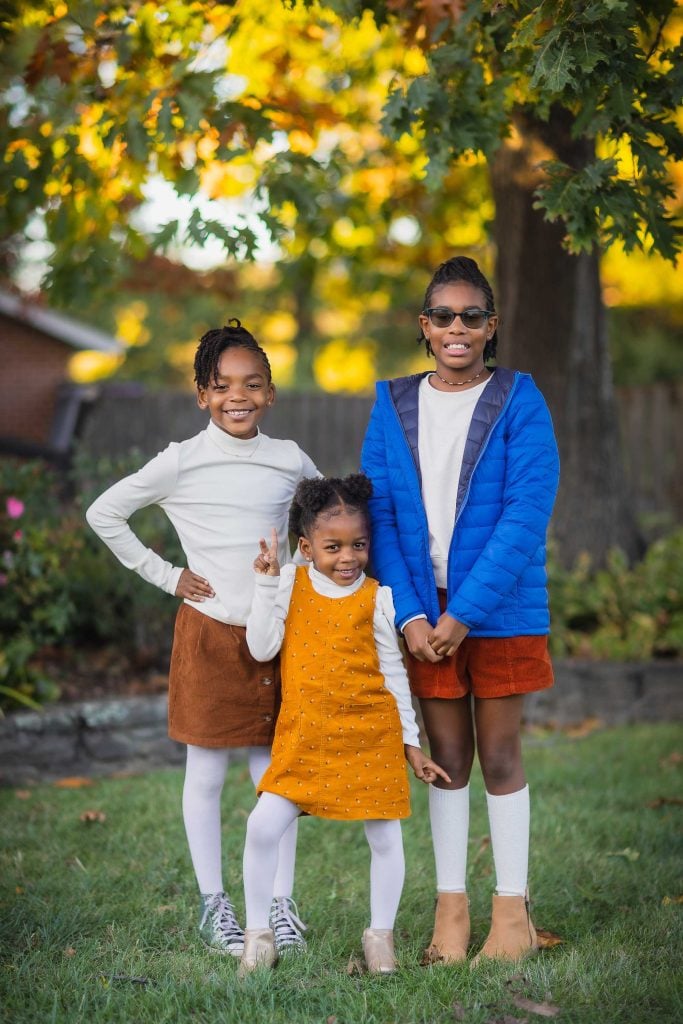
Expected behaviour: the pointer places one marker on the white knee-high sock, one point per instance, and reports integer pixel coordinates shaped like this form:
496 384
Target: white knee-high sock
509 821
259 759
449 815
387 871
267 823
204 777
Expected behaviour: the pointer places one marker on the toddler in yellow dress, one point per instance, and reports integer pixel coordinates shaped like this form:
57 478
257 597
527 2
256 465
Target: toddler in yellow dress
346 725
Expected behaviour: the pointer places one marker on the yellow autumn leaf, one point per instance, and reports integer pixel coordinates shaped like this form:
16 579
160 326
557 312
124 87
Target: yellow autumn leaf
87 367
339 366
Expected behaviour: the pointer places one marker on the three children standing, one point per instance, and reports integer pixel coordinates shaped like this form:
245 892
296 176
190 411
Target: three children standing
461 471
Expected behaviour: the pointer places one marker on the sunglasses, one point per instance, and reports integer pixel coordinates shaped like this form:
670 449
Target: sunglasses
442 316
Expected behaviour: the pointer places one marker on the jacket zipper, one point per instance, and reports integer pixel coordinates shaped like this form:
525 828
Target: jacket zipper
425 535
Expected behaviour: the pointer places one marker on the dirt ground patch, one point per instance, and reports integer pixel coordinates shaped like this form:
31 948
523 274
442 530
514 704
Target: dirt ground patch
100 672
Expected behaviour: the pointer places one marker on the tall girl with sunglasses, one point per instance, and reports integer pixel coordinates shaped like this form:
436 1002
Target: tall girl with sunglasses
464 467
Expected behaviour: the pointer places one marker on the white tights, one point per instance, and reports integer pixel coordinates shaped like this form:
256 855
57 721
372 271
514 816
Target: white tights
204 777
273 817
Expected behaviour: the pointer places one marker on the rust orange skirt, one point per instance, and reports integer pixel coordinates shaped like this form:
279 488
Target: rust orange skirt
218 695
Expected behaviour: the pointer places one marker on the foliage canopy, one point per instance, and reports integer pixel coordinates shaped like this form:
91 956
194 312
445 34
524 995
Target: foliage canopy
276 109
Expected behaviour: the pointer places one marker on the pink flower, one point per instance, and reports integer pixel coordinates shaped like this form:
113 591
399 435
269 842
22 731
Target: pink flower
15 508
18 535
3 580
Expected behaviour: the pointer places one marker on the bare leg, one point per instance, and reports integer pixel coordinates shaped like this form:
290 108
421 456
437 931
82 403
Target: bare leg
499 742
449 728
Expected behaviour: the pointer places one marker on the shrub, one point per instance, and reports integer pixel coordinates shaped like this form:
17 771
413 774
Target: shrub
36 607
116 606
620 612
60 587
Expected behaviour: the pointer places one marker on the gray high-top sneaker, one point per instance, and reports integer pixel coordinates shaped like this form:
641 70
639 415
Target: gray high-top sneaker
218 926
287 926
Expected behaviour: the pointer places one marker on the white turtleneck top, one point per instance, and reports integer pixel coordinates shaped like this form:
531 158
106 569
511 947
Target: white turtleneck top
222 494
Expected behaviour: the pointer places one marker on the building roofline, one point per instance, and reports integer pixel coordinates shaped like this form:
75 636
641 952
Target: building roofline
57 325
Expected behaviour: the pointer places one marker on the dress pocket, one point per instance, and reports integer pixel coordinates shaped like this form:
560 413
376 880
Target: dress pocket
368 725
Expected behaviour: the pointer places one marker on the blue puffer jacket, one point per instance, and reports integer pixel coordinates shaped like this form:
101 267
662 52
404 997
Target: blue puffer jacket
508 482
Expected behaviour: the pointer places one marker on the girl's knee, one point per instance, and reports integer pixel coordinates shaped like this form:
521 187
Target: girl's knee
500 766
261 830
383 836
456 761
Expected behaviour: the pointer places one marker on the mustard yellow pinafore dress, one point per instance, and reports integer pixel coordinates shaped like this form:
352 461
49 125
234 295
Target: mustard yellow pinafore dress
338 747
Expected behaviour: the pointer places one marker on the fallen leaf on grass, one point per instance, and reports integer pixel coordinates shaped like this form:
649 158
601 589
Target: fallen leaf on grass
19 890
584 728
674 758
72 782
484 844
23 794
76 862
69 951
91 817
355 966
667 901
458 1011
544 1009
627 853
546 940
664 801
164 907
331 1020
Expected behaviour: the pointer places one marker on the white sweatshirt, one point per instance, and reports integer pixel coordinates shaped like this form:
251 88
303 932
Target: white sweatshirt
266 630
222 494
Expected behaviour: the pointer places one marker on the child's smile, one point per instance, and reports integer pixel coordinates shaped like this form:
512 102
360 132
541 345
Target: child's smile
338 546
240 394
458 350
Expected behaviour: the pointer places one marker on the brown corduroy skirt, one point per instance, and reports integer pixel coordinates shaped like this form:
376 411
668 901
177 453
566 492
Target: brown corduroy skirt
218 695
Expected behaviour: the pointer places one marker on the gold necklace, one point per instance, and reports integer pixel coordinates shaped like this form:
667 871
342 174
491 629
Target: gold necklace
459 383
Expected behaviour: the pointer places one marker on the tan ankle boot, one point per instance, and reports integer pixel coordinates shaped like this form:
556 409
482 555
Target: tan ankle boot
378 949
259 950
512 935
451 930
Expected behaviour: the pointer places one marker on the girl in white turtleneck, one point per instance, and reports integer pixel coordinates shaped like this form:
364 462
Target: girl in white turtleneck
221 491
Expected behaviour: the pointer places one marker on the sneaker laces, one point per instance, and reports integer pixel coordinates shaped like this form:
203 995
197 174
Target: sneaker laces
286 924
224 923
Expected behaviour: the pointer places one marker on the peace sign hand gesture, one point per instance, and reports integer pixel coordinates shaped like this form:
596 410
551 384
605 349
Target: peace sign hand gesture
266 562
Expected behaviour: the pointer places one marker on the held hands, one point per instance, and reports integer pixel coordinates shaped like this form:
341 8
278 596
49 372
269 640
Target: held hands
266 562
447 635
416 635
427 644
425 769
193 587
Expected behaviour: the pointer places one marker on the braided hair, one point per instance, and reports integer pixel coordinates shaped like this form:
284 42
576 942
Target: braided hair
214 343
331 495
461 268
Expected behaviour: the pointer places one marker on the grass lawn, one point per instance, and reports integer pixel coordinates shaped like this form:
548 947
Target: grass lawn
98 920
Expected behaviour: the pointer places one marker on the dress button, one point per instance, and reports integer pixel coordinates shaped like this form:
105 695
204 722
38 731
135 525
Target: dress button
266 681
267 718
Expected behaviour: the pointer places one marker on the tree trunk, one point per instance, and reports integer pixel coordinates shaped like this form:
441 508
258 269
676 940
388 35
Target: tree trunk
553 326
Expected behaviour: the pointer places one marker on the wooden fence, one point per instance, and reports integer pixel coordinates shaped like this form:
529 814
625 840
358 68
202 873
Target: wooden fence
331 429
